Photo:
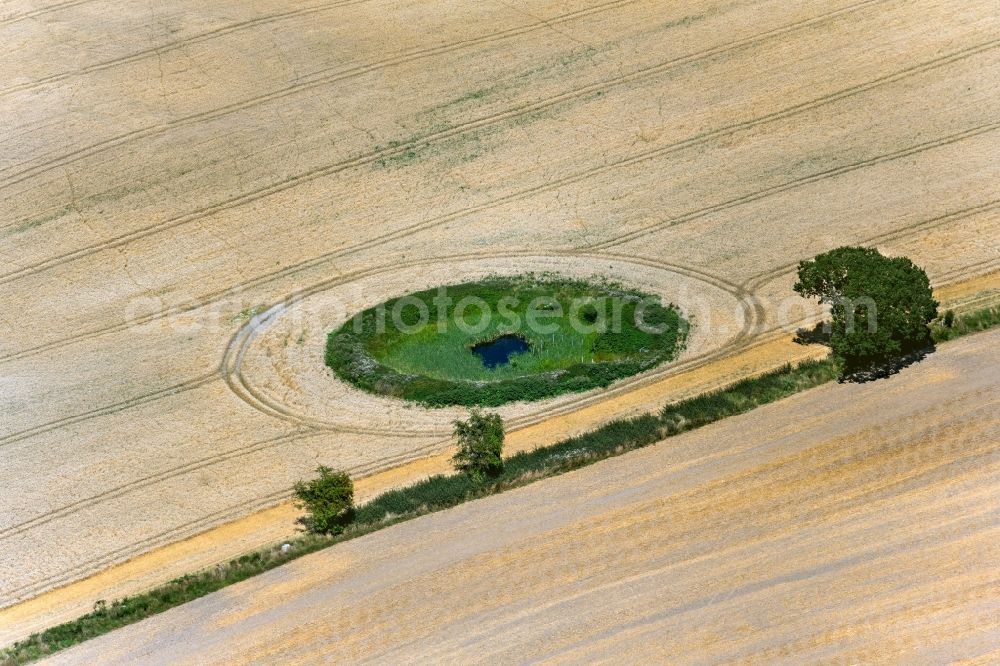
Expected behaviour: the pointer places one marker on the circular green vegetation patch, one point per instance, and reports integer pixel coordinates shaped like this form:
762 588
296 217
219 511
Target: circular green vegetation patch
504 339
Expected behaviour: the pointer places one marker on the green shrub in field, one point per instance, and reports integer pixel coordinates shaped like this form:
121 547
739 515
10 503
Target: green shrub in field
480 445
327 500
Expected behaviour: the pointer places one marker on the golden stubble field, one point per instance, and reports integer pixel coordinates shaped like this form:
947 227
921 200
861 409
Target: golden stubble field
848 524
191 193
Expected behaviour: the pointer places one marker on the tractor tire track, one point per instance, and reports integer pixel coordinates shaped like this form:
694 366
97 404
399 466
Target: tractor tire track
796 183
146 481
233 357
44 10
111 409
753 335
754 283
311 82
240 342
358 471
987 264
313 174
196 526
164 538
178 44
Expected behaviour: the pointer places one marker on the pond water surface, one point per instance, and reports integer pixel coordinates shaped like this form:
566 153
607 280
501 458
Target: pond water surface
498 352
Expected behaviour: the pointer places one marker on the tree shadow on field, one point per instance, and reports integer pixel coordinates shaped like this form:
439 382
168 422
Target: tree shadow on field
817 335
862 371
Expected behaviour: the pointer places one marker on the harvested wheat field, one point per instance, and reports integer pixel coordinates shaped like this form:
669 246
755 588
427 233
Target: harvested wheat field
848 524
194 193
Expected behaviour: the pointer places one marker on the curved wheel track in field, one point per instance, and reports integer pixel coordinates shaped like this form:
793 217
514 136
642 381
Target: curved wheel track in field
240 342
232 359
751 285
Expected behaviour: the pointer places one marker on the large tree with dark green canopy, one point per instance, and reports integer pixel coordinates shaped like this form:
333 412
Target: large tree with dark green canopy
880 305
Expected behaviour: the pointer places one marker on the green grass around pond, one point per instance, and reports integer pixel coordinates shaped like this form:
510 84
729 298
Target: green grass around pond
581 335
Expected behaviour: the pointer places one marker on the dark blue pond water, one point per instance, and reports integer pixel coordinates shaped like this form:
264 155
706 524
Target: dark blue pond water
498 352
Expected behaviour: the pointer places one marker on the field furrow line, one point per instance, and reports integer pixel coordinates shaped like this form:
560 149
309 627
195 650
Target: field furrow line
754 283
359 471
164 538
146 481
984 266
194 527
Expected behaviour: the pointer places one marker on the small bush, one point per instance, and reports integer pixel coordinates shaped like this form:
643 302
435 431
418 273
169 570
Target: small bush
480 445
328 501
